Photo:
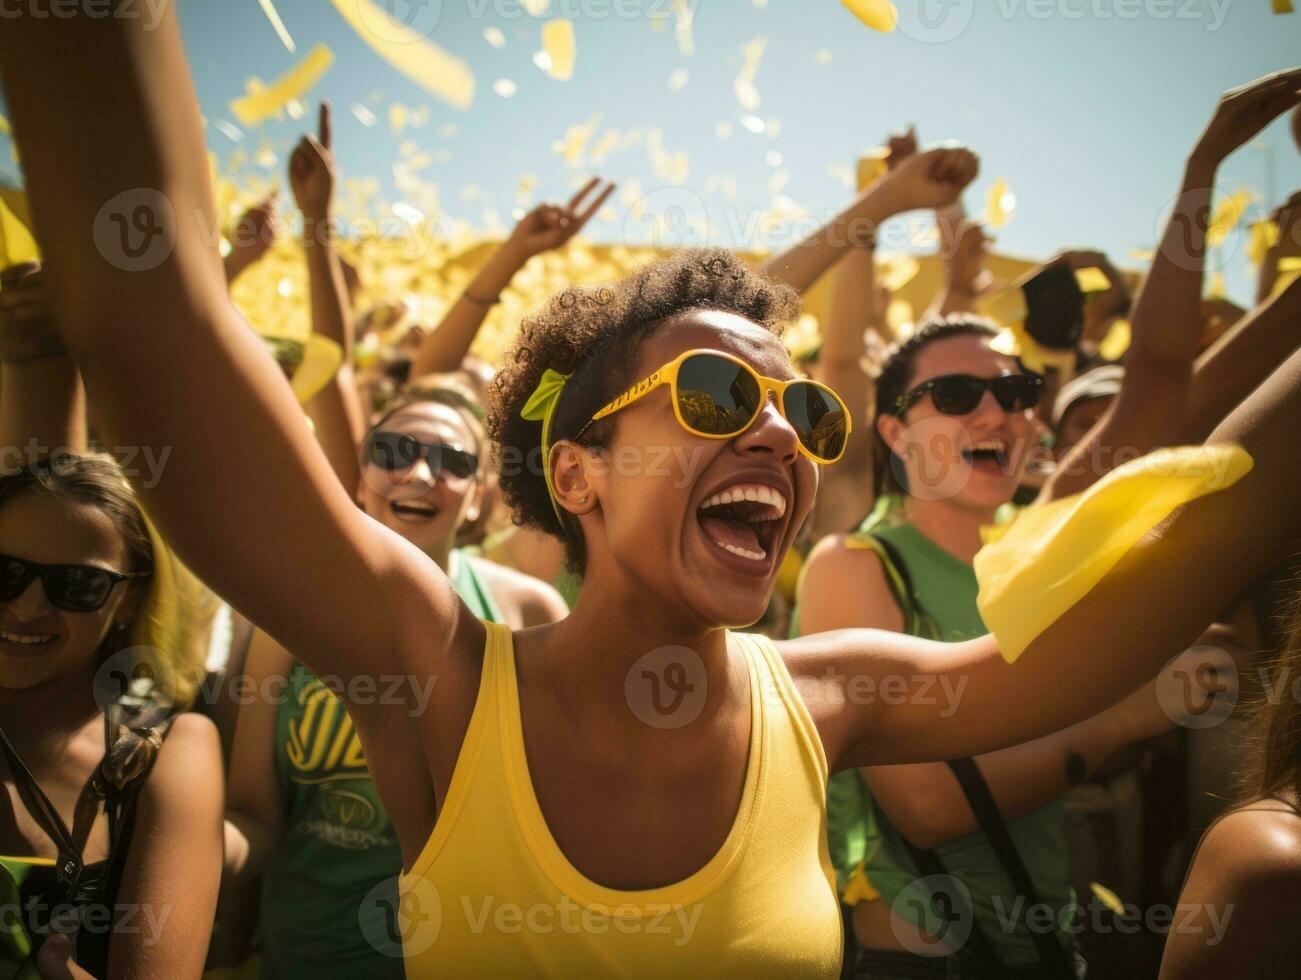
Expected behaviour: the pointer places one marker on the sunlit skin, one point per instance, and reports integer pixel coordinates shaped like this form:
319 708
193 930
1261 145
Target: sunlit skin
42 529
424 509
945 487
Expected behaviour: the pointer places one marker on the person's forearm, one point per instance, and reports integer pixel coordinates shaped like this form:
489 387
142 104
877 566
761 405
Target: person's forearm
250 845
802 264
1239 360
447 346
331 312
42 405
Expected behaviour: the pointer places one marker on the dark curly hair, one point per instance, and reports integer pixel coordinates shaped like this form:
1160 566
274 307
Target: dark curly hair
594 334
896 376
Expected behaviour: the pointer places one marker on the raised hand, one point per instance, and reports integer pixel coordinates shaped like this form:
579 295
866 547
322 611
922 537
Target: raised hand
899 148
931 179
1246 110
550 226
253 235
311 170
967 272
26 330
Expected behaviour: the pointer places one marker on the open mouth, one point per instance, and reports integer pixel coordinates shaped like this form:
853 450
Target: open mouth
989 455
412 511
744 520
23 643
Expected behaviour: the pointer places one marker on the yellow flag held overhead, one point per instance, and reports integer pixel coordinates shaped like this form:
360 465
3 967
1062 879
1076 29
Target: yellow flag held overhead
880 15
16 242
561 48
270 100
434 69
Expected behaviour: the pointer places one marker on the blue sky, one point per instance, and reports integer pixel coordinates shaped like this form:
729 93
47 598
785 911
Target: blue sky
1085 107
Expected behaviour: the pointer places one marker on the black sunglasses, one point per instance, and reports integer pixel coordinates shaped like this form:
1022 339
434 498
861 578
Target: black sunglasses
393 451
958 394
72 588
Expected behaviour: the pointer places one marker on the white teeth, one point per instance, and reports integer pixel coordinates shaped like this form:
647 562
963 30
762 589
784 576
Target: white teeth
995 444
28 639
755 492
745 552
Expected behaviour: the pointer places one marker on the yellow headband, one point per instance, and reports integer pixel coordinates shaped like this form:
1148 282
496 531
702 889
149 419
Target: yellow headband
540 407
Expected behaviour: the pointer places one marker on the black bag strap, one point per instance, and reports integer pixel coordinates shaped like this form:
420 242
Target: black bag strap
977 946
69 865
1051 954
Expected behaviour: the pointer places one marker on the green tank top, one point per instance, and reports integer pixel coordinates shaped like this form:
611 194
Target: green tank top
329 894
860 835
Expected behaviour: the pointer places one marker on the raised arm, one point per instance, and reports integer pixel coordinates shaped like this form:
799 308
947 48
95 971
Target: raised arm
1152 604
931 179
140 301
42 404
546 227
336 409
1149 411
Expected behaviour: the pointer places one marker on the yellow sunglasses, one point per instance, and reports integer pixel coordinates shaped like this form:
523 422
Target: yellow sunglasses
719 396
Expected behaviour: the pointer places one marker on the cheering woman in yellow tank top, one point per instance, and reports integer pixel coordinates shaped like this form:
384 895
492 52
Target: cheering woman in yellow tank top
635 790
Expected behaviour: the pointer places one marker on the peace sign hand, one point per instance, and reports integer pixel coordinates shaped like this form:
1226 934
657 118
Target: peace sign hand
549 226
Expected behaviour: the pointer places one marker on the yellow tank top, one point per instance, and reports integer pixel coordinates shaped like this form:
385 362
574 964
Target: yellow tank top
493 895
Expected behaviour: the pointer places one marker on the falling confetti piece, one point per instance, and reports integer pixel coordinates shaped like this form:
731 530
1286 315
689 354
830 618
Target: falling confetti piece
1142 254
268 101
1092 280
432 68
685 17
778 181
266 157
1264 236
505 87
269 9
229 130
753 123
538 8
1107 897
1228 212
724 130
295 109
5 127
542 60
773 158
823 56
1283 6
879 15
1117 341
495 37
841 173
677 79
575 142
364 115
752 54
603 147
999 204
16 241
398 116
561 48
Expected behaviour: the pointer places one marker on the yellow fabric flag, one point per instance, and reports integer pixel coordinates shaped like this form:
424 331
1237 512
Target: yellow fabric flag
561 48
434 69
262 103
880 15
16 242
1049 556
321 359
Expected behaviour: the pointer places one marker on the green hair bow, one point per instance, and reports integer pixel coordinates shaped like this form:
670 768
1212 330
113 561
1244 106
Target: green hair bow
541 406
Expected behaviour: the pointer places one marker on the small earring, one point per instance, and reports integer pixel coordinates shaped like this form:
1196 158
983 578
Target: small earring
582 500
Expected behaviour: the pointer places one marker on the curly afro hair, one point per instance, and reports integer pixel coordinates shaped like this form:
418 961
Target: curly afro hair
594 334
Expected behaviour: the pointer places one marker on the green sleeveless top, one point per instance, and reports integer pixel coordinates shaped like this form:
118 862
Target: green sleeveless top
863 841
329 894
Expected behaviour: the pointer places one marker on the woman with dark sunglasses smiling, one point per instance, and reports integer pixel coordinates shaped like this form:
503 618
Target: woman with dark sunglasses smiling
635 789
110 810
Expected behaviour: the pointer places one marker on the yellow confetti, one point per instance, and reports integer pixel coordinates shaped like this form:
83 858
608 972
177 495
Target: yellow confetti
1283 6
1092 280
684 18
321 359
1215 289
1228 212
273 15
677 79
561 48
823 56
398 116
751 54
1107 897
16 241
1264 236
495 37
268 101
1142 254
5 128
880 15
1289 270
538 8
575 142
602 148
999 204
1119 336
434 69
